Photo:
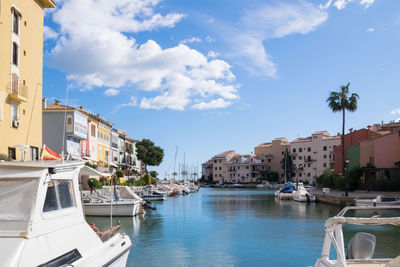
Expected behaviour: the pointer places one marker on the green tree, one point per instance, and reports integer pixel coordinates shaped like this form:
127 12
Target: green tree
147 179
153 174
287 160
119 174
341 101
148 153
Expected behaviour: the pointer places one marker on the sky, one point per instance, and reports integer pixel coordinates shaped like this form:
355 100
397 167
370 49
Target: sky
208 76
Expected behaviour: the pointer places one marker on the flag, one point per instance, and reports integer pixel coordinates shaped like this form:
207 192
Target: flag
49 154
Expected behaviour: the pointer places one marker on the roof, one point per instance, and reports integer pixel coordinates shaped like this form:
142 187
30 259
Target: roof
48 3
41 164
225 154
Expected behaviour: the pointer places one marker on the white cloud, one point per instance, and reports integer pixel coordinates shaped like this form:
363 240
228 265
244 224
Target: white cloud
367 3
370 29
212 54
97 49
49 33
132 102
209 39
111 92
190 40
216 103
341 4
395 111
268 22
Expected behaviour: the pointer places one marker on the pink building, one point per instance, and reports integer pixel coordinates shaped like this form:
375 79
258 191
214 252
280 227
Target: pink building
387 151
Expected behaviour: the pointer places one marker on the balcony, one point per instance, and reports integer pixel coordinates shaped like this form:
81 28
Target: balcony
19 93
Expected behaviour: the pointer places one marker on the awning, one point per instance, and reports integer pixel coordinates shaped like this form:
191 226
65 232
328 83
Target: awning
112 164
89 171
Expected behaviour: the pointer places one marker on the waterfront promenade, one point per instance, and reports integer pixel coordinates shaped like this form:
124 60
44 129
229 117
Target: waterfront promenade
338 198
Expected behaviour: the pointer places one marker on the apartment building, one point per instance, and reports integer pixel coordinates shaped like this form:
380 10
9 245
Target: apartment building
220 165
207 169
351 139
245 169
65 128
272 154
312 155
21 57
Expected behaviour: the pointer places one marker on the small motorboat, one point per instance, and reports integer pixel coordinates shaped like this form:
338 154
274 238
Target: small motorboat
42 221
264 185
302 195
235 186
361 247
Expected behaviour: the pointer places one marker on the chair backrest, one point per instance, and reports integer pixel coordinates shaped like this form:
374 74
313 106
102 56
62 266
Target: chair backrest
361 246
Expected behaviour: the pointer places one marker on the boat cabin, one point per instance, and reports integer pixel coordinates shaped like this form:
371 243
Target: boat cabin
41 216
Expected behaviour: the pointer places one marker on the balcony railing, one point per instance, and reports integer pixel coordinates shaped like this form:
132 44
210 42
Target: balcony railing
19 93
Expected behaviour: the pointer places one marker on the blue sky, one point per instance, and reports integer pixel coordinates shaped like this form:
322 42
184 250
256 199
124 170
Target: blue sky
208 76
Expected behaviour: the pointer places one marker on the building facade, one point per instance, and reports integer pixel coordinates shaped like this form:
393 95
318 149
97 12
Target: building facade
245 169
21 57
272 154
220 162
312 155
350 139
64 129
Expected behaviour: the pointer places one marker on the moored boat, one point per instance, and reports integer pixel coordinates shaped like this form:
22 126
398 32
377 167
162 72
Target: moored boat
302 195
42 221
380 200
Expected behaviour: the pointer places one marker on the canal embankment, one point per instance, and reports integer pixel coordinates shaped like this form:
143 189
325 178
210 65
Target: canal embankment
338 197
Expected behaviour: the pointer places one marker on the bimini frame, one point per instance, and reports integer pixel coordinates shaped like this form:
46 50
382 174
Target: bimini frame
334 235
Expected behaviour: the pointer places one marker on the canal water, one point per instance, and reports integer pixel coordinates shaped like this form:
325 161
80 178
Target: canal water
234 227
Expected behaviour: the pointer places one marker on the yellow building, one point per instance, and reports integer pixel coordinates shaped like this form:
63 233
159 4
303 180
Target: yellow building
21 57
104 142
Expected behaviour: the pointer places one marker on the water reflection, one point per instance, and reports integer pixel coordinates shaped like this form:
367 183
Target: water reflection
224 227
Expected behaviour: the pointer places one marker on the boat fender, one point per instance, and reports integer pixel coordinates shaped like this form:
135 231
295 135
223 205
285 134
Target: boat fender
94 228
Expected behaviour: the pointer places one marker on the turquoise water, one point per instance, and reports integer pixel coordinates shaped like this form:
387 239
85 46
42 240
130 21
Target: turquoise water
227 227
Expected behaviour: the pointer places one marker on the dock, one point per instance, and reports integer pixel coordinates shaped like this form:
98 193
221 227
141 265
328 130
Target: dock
338 198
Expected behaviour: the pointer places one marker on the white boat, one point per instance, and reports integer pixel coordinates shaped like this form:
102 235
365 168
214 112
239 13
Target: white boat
42 221
302 195
264 185
361 247
380 200
99 203
285 192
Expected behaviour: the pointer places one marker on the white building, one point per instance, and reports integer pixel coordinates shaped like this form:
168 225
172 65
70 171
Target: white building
312 155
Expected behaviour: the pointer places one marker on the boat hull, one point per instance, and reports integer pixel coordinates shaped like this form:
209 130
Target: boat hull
284 196
118 209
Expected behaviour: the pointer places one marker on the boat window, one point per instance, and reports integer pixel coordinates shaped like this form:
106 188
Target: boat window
59 195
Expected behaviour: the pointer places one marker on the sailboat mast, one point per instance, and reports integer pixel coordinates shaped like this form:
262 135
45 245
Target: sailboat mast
285 165
176 153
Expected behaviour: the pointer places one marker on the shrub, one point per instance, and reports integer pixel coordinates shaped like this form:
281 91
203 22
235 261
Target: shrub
4 157
96 182
119 174
93 166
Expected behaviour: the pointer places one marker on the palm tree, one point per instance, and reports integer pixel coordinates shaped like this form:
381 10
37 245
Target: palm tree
340 101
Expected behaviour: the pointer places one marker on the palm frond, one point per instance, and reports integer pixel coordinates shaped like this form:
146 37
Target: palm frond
334 102
352 103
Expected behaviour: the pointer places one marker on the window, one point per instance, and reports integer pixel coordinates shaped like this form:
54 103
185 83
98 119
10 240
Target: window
308 165
93 130
100 151
247 174
294 150
294 158
220 168
59 195
16 18
11 153
309 174
300 174
324 156
14 111
247 167
309 149
324 165
15 54
34 153
238 167
215 161
325 148
300 150
300 157
216 168
269 160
